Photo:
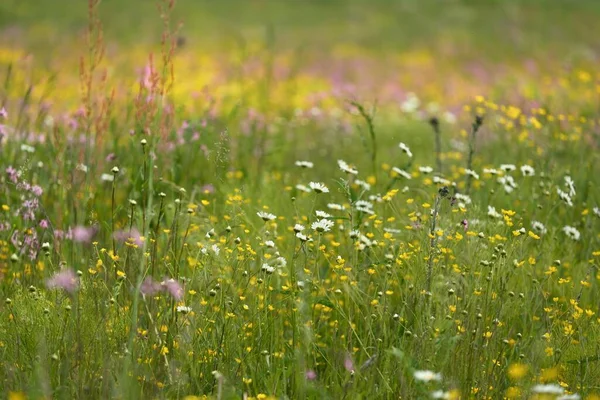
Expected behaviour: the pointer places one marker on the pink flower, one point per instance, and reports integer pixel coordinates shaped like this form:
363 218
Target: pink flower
310 375
65 279
465 224
44 224
3 113
132 236
174 288
348 363
83 234
150 287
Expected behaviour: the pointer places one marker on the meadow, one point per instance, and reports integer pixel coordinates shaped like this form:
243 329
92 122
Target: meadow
299 199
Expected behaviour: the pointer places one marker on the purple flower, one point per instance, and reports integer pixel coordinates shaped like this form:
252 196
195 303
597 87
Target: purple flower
65 279
174 288
132 236
150 287
465 224
310 375
44 224
83 234
348 363
36 190
13 174
3 113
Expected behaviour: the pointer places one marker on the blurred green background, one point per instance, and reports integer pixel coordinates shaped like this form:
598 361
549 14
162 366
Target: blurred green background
490 29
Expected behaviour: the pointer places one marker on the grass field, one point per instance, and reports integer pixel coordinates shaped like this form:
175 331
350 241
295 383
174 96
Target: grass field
299 199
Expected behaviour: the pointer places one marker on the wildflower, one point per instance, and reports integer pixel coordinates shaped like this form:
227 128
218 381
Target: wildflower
493 213
304 164
65 279
270 243
298 228
441 181
318 187
425 170
149 287
472 173
548 389
310 375
465 224
570 185
303 237
322 225
347 168
364 206
348 363
564 196
322 214
571 232
508 182
463 198
440 394
491 171
27 148
133 236
83 234
107 178
402 173
3 113
539 227
573 396
527 170
268 269
266 216
303 188
427 376
405 149
335 206
508 167
364 185
173 288
596 211
184 309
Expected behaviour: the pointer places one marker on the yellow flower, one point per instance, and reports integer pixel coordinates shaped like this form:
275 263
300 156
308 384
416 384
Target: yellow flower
517 371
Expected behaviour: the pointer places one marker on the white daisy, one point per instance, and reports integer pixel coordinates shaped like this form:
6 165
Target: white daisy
427 376
527 170
425 170
303 188
572 232
405 149
402 173
266 216
539 227
548 389
322 225
491 171
267 268
571 185
298 228
363 184
335 206
322 214
493 213
303 237
184 309
564 196
318 187
304 164
441 181
347 168
508 167
270 243
472 173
